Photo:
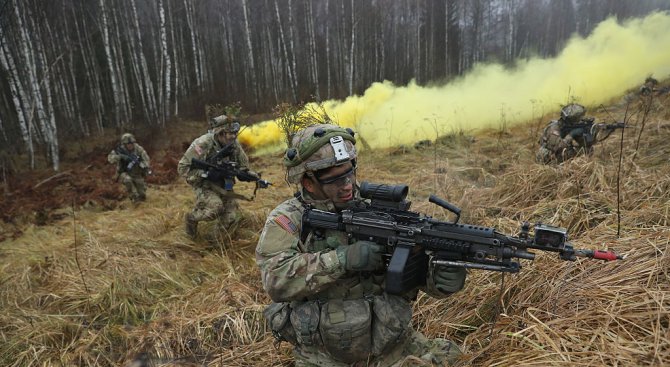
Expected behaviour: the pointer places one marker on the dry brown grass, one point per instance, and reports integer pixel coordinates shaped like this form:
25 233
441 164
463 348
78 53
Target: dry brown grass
110 288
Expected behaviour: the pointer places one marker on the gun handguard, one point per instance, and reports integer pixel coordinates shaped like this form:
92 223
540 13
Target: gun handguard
228 170
413 239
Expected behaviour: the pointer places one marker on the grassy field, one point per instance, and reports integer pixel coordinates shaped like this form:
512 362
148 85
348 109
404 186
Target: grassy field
126 287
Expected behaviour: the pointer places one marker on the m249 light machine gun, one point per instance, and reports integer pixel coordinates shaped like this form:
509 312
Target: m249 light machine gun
413 239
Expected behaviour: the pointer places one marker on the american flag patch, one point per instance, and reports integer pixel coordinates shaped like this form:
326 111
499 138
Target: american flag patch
198 150
286 223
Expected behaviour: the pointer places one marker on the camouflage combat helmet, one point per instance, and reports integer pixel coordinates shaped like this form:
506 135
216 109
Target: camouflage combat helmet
317 147
224 123
127 139
572 112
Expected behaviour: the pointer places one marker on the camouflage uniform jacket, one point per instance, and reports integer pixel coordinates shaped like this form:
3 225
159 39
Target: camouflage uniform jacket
138 170
552 139
203 148
298 271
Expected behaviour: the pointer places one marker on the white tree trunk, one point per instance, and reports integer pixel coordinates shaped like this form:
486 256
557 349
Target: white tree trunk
167 66
312 48
110 63
250 52
47 129
194 44
92 75
289 66
18 95
352 47
121 69
50 118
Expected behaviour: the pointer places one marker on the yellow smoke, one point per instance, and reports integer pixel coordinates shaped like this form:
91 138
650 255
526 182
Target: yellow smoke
613 59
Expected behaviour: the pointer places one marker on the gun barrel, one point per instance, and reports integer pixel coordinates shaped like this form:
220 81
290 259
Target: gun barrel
511 267
598 255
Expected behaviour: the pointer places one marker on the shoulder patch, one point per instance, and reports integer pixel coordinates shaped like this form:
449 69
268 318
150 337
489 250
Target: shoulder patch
284 222
198 150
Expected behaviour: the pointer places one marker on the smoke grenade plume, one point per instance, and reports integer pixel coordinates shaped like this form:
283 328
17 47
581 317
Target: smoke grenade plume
592 70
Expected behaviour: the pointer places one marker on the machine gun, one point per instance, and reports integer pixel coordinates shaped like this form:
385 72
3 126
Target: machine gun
413 239
224 174
590 130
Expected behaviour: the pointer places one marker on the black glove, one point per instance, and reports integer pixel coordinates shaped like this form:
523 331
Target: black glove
361 256
449 279
263 184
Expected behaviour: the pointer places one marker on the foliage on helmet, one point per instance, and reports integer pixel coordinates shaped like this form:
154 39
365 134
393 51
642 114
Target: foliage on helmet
128 138
213 110
224 123
573 112
314 141
651 81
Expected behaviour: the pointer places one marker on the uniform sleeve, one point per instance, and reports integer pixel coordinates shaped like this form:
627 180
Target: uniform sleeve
241 157
113 157
288 273
144 155
193 176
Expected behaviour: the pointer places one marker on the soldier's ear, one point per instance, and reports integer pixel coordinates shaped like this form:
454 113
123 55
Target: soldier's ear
308 184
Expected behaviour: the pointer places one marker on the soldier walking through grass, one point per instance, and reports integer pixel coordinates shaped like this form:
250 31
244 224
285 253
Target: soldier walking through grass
132 166
215 198
328 290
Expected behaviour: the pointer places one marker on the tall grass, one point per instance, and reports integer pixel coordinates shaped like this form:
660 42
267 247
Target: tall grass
145 293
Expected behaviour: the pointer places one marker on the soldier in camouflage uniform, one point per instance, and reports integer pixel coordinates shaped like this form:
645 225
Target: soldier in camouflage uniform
213 202
648 87
132 166
559 142
328 291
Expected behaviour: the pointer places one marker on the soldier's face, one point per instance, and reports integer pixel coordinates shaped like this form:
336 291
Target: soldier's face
226 137
130 147
335 183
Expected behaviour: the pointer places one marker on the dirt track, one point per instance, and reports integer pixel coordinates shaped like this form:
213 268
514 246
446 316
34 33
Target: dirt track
42 196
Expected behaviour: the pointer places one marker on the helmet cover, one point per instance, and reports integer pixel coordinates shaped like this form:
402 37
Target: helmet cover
318 147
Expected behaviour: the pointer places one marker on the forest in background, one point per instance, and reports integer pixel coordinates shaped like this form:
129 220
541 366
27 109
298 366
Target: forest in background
69 69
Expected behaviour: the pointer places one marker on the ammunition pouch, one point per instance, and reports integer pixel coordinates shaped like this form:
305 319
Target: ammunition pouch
345 329
349 330
278 316
305 321
391 322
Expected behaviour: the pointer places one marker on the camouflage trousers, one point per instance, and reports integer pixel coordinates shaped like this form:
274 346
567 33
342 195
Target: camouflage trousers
415 350
135 186
546 155
211 204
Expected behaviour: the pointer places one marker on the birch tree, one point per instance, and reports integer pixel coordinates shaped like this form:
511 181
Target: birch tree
250 52
47 130
166 66
18 96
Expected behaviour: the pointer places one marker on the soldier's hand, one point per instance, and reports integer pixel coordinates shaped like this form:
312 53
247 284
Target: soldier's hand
361 256
449 279
569 142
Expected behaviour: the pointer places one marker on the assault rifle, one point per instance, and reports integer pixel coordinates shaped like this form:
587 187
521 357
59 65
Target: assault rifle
224 174
590 130
130 160
412 238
